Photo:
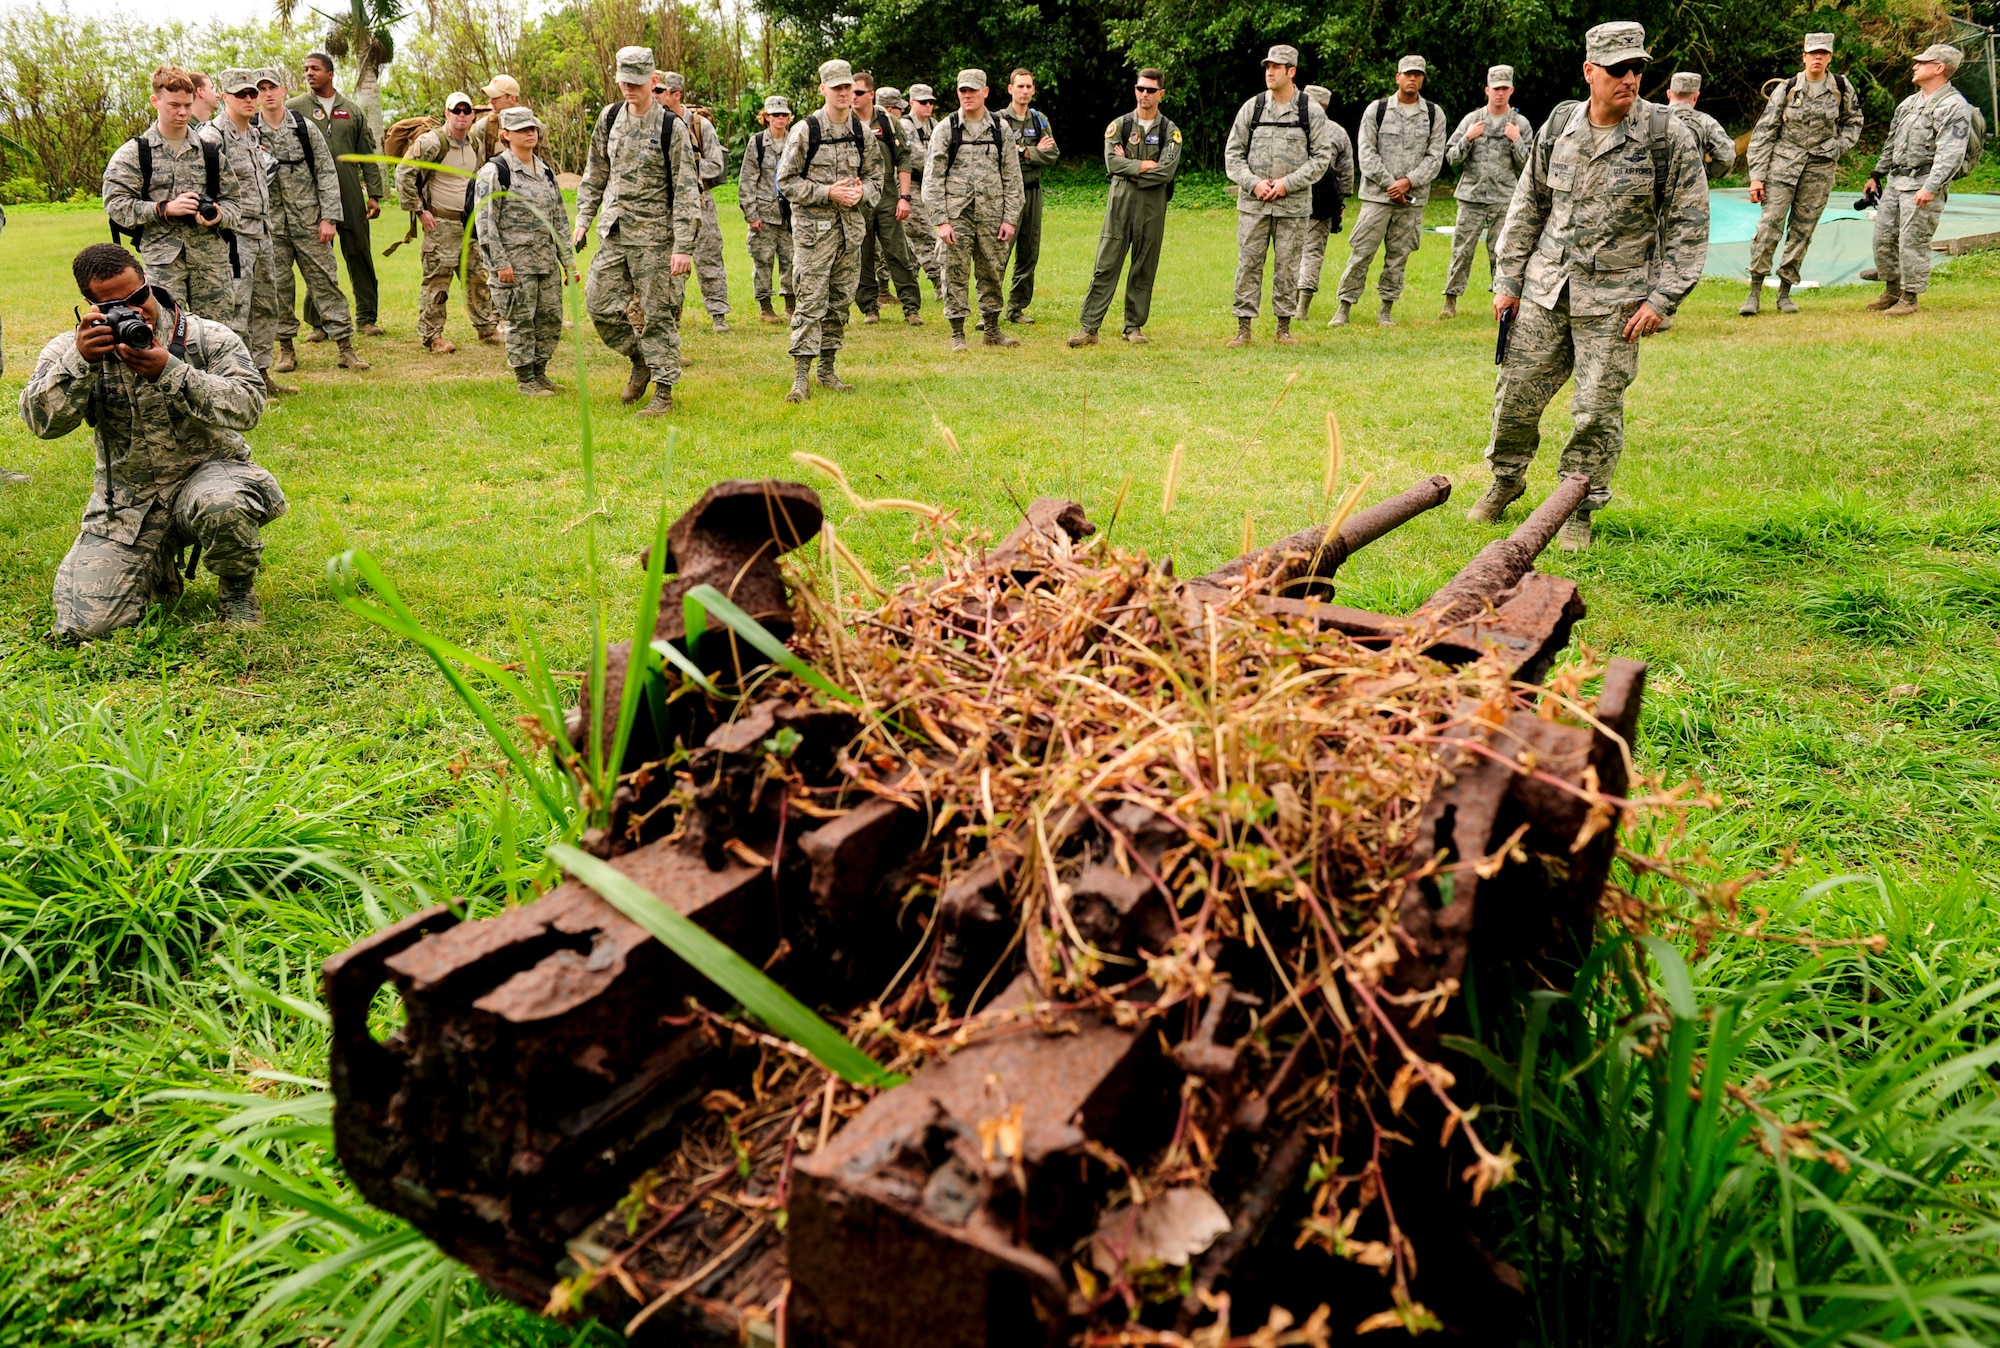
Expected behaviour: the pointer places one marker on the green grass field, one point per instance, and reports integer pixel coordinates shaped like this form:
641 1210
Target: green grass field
1801 543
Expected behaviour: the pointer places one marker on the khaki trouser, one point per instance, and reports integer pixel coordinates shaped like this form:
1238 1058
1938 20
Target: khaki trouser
1312 253
1546 348
314 261
1793 210
771 251
1475 219
1282 236
1903 233
1398 231
622 274
533 309
920 232
979 257
103 585
441 264
826 268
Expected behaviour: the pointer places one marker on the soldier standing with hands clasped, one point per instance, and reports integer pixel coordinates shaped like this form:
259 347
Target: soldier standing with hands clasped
831 172
1279 146
1928 146
1142 150
305 209
1488 148
524 240
1401 151
1810 121
767 216
973 186
440 200
1035 142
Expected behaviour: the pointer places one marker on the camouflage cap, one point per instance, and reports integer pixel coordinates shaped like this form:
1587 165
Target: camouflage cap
502 84
1499 77
921 93
1684 82
635 65
237 81
1319 94
1282 55
889 96
1944 52
1819 41
1413 65
1610 43
777 105
833 74
519 118
270 75
972 79
671 79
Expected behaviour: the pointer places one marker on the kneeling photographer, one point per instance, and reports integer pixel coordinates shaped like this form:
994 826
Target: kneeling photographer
168 395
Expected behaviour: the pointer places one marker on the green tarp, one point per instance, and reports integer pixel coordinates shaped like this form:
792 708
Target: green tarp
1844 244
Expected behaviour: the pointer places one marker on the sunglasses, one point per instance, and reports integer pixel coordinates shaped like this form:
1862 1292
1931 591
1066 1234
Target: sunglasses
1624 68
1146 88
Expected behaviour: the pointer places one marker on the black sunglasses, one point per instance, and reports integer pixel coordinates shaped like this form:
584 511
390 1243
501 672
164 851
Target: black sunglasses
1146 88
1624 68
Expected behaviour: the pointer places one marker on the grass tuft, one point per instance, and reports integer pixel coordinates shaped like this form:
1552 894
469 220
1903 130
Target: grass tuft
1868 607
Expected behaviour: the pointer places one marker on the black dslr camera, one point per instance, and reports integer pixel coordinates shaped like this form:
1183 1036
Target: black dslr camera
205 207
128 326
1870 198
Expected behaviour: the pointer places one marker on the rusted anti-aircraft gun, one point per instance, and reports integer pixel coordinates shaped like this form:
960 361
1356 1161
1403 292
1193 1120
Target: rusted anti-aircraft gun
546 1061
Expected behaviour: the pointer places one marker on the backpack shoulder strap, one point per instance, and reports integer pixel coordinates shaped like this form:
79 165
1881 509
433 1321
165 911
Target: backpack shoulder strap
812 138
145 165
1380 108
667 154
504 172
956 139
1661 147
211 165
1434 116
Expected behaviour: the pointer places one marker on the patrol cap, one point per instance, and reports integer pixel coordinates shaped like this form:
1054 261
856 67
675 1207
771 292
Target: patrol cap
1319 94
1282 55
671 79
1819 41
502 84
1413 65
1942 51
635 65
889 96
972 79
777 105
456 97
519 118
921 93
1610 43
270 75
1684 82
237 81
833 74
1499 77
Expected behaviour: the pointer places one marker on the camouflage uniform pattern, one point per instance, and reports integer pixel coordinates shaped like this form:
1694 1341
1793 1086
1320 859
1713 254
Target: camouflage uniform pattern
1277 227
256 324
886 247
190 260
1319 229
1927 142
1026 246
1585 244
1795 152
1718 147
1404 147
713 167
978 194
920 230
826 237
443 246
757 195
1488 166
179 471
514 231
624 192
300 198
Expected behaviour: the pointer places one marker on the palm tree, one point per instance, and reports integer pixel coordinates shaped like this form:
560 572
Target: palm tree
364 35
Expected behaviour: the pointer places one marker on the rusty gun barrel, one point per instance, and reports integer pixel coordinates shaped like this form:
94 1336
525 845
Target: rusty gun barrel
1294 564
1501 564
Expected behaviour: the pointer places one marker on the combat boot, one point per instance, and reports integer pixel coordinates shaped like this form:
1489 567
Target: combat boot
527 385
791 305
1503 493
802 369
1886 300
1450 309
1242 337
1786 305
542 377
1755 300
272 388
913 318
995 337
720 324
827 378
958 335
372 330
439 346
765 313
1136 337
1904 306
663 401
1302 306
236 601
1341 316
1870 275
492 339
1386 318
288 357
871 317
1083 339
1283 336
635 383
1575 535
1018 316
350 359
316 335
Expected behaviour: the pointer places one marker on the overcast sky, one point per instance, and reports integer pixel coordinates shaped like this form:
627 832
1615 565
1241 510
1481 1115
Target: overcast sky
196 11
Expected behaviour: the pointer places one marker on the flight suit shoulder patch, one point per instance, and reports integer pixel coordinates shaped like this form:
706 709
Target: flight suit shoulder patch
1111 132
1177 135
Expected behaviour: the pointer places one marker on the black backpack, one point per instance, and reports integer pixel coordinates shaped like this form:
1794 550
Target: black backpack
211 164
957 139
505 171
1381 110
1303 125
667 122
1656 140
760 140
815 139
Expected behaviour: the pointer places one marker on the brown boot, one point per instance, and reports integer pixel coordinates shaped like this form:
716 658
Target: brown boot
1283 336
995 337
827 378
1755 299
492 339
1242 337
1489 508
635 384
663 401
316 335
1450 309
273 389
802 369
288 357
527 385
958 335
1886 300
1905 306
1084 339
765 313
439 346
791 305
350 359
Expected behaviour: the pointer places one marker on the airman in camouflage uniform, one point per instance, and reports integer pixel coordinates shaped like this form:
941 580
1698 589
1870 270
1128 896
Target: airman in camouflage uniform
921 228
1035 143
1718 147
439 202
1488 149
1279 146
1607 233
191 254
973 186
712 166
1142 152
831 172
524 241
305 206
886 246
1329 203
641 190
1926 149
767 215
235 130
1401 151
172 469
1810 121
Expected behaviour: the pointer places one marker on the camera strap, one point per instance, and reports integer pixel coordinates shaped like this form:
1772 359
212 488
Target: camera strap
177 343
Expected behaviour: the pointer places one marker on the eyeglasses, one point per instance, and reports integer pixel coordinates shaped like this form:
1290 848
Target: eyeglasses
1624 68
1146 88
463 107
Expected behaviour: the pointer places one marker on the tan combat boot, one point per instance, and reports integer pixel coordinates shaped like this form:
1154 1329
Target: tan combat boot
1450 309
1283 336
527 385
1489 508
958 335
316 335
1302 305
802 368
1136 337
1575 533
1242 337
236 601
1387 317
1786 304
1886 300
1342 316
1905 306
1755 299
827 378
439 346
995 337
663 401
288 357
765 313
274 389
350 359
1083 339
635 383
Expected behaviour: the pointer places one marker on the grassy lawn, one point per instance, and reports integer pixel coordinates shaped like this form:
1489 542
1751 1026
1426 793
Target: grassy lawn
1800 543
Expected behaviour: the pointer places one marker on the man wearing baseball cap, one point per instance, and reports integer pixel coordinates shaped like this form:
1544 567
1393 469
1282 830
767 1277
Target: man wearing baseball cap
502 92
1718 148
1928 146
1808 123
973 186
1488 149
1592 258
235 130
439 201
1279 145
1401 150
